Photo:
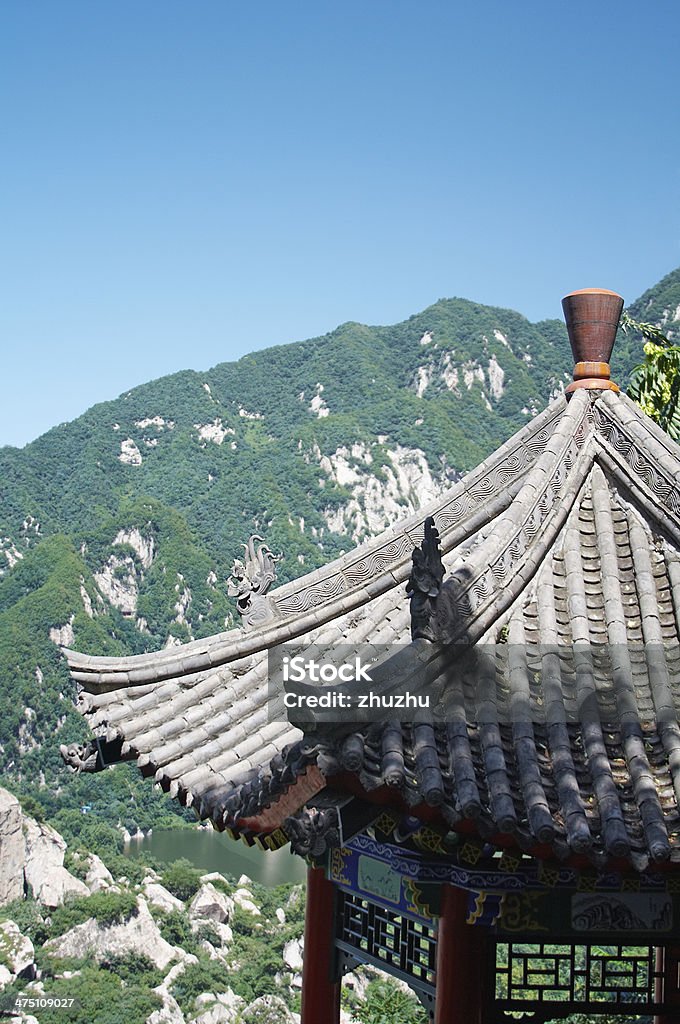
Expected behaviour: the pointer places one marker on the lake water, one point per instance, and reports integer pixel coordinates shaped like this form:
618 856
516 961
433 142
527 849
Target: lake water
215 851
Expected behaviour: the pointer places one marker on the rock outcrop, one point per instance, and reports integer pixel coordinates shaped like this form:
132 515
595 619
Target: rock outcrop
211 904
16 950
12 849
98 875
139 934
44 871
161 897
32 858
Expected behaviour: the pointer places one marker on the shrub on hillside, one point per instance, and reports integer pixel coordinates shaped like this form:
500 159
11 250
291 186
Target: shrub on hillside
182 879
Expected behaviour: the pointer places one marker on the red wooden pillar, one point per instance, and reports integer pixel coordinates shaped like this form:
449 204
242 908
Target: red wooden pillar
461 959
320 990
668 958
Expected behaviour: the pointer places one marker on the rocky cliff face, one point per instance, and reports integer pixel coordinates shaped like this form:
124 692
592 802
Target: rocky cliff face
32 859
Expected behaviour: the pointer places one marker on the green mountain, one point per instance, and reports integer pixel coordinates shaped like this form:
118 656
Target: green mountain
118 530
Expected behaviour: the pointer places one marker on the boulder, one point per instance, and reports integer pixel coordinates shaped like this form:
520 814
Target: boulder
12 849
225 933
98 875
214 876
229 999
16 950
139 934
213 953
244 899
169 1012
216 1014
292 955
44 869
280 915
161 897
6 976
219 1007
172 975
211 904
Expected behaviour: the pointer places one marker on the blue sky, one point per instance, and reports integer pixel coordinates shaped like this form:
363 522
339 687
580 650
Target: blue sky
182 183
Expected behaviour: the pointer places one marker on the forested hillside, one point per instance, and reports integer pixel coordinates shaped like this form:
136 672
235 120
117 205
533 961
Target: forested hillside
118 530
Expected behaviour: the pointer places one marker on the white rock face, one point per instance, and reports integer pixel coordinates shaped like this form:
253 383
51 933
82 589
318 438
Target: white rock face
183 600
117 581
215 431
12 849
423 379
130 454
212 905
426 338
267 1010
318 404
496 375
169 1013
139 934
406 484
449 373
472 372
98 875
292 955
155 421
44 869
161 897
244 899
87 601
16 949
142 546
223 930
499 336
63 636
217 1013
11 552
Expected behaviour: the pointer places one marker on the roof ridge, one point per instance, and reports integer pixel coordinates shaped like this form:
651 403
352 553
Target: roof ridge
479 590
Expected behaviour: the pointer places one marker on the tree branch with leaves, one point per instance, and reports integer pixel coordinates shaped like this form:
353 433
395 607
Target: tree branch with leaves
655 383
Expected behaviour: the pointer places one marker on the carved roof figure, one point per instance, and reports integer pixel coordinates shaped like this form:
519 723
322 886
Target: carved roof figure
564 545
250 581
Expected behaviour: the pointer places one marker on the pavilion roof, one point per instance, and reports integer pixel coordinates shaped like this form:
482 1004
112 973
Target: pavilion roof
568 535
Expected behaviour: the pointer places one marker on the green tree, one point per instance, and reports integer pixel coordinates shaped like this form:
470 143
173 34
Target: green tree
655 383
385 1001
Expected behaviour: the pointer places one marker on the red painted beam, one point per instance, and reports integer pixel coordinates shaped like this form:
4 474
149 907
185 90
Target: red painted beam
461 963
320 991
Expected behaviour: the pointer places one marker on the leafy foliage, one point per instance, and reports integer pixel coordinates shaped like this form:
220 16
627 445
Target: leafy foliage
105 907
386 1001
655 383
182 879
100 995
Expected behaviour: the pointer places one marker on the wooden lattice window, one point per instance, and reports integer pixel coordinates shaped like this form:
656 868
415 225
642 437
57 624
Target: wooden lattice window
404 947
553 979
